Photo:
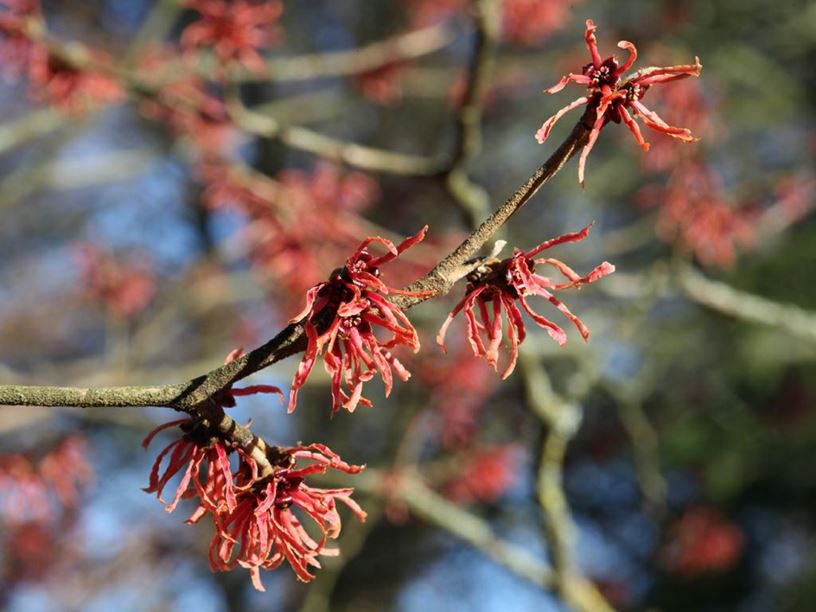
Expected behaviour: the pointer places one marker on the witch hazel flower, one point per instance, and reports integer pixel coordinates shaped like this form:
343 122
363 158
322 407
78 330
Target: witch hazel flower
611 98
340 319
497 288
236 30
262 530
198 453
16 48
202 457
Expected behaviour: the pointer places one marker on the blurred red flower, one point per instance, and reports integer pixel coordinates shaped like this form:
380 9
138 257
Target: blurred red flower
702 541
693 210
527 22
125 288
486 475
236 30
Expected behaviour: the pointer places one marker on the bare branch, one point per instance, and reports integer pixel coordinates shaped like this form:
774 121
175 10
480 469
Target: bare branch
742 305
354 61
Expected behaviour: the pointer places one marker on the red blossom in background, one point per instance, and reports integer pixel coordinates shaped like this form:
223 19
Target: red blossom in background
16 48
26 486
340 318
124 288
702 541
610 99
487 474
689 105
52 79
280 245
424 12
264 527
183 101
65 469
527 22
694 211
458 387
70 89
236 30
23 493
382 85
494 289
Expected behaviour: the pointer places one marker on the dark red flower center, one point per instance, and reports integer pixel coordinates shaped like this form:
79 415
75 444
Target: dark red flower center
605 74
287 486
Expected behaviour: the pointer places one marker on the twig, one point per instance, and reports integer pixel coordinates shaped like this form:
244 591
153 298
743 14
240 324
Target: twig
354 61
36 123
438 511
353 154
471 198
718 296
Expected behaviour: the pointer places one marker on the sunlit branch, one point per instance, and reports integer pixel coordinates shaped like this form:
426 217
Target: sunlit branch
722 298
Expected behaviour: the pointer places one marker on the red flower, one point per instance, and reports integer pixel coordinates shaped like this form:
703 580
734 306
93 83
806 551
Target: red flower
340 317
612 99
215 486
68 88
457 387
695 212
488 474
264 528
16 48
236 30
65 469
123 287
255 526
501 283
198 453
25 484
382 85
702 541
526 22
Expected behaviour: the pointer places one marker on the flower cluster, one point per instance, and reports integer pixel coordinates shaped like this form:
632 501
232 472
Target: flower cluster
124 288
184 102
382 85
52 79
486 474
457 386
16 49
340 319
496 286
70 88
254 516
263 531
694 212
527 22
610 98
702 541
26 486
236 30
280 245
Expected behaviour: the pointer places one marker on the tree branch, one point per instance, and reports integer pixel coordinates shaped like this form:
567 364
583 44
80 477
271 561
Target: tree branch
188 396
742 305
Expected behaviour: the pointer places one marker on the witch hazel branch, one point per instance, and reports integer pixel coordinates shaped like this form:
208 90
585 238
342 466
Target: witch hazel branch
264 509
